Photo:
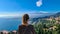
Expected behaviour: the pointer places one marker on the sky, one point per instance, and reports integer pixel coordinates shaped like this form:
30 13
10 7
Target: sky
28 6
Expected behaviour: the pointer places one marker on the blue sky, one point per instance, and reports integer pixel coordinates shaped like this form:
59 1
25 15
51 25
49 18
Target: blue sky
27 5
23 6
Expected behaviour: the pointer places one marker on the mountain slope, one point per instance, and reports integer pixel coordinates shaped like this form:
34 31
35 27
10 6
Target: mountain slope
45 17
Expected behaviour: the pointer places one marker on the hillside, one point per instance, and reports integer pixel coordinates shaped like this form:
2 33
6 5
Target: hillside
45 17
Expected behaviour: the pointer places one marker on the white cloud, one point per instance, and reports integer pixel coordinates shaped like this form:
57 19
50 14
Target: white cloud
39 3
38 14
43 12
20 14
10 14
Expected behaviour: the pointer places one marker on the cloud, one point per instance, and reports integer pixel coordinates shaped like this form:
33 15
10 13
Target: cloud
39 3
43 12
38 14
9 14
20 14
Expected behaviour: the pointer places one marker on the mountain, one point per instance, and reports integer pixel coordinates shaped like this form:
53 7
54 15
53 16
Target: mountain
56 15
46 16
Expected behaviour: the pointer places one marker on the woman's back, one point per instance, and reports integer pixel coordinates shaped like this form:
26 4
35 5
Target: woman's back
26 29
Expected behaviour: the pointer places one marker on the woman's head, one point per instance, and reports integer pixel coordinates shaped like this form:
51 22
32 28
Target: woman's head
25 18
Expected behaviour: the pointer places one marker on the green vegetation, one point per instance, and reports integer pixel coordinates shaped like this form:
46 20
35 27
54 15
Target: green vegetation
47 27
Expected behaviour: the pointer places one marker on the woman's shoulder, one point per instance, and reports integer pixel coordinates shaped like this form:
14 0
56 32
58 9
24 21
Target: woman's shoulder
20 26
30 25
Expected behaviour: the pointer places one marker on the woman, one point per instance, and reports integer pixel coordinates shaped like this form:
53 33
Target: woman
25 28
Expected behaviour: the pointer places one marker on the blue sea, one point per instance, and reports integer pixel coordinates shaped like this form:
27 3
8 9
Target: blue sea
9 24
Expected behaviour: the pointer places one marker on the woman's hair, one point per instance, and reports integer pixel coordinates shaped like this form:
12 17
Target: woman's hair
25 18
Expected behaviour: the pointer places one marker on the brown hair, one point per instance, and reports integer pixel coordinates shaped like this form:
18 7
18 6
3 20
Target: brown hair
25 18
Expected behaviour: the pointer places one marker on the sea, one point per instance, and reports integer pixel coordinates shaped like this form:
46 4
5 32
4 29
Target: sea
10 24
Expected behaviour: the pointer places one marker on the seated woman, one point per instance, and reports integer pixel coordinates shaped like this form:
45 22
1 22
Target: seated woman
25 28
